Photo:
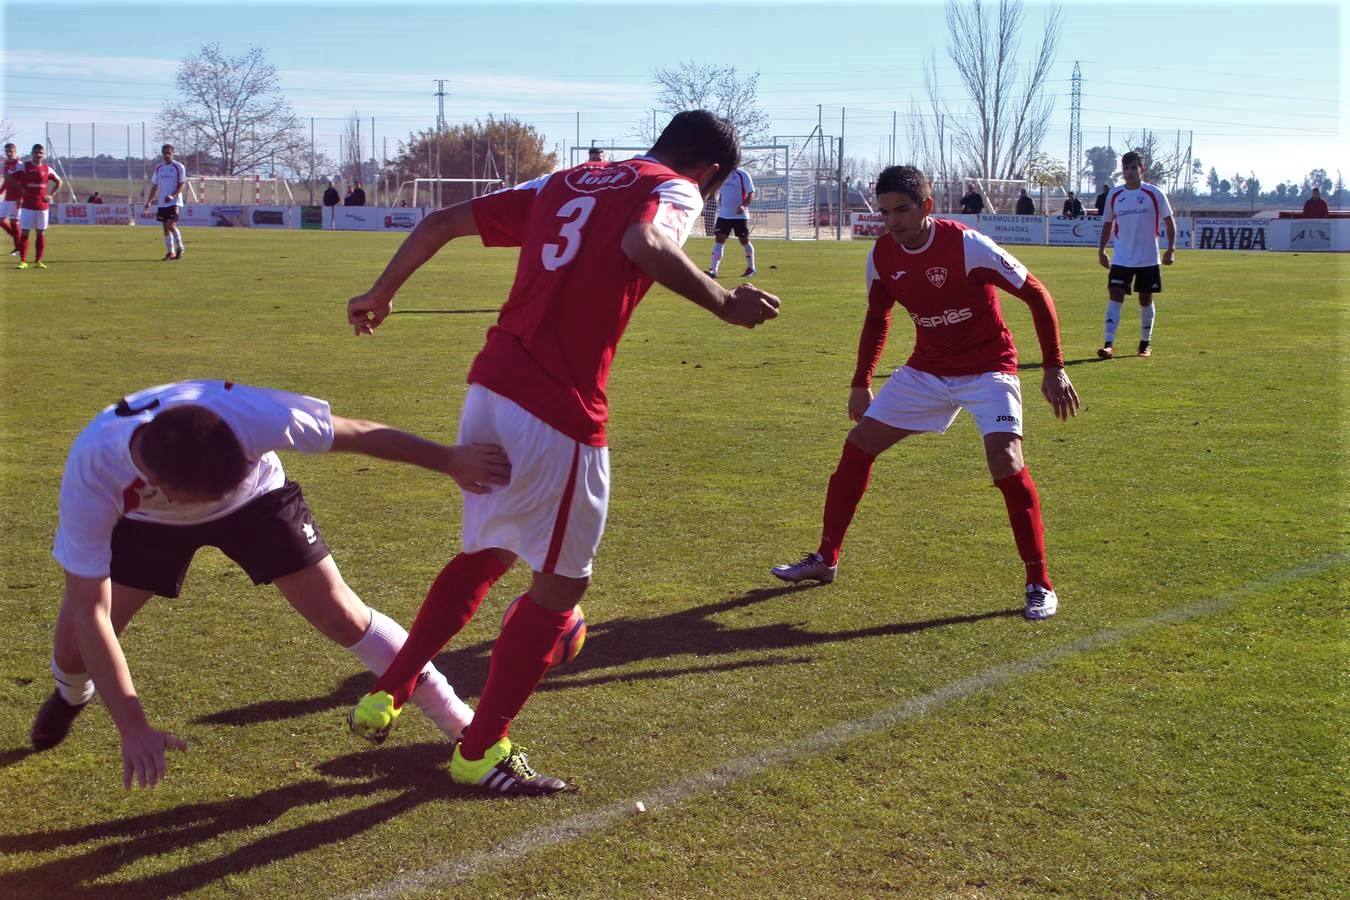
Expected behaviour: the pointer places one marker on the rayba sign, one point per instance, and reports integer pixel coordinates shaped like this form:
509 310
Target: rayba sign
593 179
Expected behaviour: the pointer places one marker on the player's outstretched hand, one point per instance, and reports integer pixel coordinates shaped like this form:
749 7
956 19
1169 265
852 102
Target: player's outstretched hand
1058 390
859 398
365 312
476 467
143 755
748 306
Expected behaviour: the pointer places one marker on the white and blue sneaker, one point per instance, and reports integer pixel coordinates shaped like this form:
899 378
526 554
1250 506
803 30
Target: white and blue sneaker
1042 602
811 567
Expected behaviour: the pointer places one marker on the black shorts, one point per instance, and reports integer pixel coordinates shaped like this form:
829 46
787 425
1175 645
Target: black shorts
269 537
1144 279
167 214
741 227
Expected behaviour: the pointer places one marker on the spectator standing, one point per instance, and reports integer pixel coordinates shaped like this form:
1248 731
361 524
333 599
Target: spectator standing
1073 207
358 195
1316 206
1025 205
1101 199
972 204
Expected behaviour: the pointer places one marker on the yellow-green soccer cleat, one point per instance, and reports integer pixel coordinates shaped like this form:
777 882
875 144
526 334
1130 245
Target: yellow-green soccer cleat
503 770
373 717
22 265
43 265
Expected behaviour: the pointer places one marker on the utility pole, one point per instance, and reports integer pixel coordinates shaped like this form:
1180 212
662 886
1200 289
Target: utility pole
1076 128
440 132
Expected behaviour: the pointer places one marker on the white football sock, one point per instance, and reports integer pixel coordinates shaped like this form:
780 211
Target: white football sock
716 256
1146 316
749 256
168 242
75 688
434 696
1113 311
177 239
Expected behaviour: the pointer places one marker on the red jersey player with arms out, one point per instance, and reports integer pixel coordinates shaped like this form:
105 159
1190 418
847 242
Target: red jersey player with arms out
36 182
592 240
944 275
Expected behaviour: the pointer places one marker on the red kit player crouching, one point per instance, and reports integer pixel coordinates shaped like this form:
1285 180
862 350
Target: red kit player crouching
944 275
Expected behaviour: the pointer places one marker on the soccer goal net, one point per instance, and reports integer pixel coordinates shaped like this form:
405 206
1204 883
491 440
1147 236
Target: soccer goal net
243 190
438 192
1000 194
784 204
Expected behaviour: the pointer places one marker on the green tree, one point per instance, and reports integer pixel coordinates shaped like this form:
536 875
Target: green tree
1101 165
1216 188
1317 178
1222 189
498 148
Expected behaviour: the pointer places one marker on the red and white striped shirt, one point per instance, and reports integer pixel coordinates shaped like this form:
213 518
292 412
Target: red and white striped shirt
1135 218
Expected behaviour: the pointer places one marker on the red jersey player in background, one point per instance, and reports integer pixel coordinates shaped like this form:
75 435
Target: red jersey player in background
9 197
592 240
36 182
944 275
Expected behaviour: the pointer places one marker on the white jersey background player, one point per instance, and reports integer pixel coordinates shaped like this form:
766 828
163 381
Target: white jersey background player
167 183
733 216
174 468
1135 214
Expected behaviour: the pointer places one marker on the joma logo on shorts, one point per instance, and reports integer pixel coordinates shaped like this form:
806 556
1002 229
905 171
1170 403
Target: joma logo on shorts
948 317
1005 418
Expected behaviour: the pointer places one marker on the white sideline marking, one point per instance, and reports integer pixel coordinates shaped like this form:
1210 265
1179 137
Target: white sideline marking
574 827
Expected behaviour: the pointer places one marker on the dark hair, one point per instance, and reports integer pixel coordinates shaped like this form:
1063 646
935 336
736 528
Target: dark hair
166 147
904 180
190 448
39 147
1132 157
695 138
10 146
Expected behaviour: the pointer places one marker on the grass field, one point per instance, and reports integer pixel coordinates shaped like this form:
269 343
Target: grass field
1178 730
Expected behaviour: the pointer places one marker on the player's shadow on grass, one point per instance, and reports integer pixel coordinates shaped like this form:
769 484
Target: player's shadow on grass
443 312
415 774
618 645
1025 367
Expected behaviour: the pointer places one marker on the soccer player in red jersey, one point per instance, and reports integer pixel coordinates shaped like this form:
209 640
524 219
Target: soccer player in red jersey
592 240
9 197
944 275
37 182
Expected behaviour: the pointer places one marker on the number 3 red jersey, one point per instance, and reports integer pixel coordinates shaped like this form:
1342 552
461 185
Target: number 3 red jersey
574 290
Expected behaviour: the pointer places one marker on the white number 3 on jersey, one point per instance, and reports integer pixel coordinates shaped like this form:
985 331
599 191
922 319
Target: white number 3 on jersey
576 212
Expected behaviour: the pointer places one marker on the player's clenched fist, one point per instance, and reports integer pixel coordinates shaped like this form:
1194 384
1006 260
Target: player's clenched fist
748 306
365 312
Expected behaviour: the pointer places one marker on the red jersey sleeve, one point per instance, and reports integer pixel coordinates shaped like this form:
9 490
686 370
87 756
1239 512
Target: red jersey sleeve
876 326
504 216
988 263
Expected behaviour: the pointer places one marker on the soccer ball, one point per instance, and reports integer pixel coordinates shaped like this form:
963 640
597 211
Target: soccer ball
572 639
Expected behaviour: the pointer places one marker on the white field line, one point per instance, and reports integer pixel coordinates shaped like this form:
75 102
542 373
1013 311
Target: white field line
512 850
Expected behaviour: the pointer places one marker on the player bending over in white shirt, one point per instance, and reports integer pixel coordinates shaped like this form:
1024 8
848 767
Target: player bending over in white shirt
182 466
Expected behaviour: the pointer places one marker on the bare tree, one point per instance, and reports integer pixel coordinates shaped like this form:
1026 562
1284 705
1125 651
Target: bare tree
230 111
349 156
1008 109
6 131
719 89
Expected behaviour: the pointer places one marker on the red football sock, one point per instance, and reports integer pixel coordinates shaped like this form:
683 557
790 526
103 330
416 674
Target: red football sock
12 230
1024 514
41 244
847 486
450 603
23 248
519 660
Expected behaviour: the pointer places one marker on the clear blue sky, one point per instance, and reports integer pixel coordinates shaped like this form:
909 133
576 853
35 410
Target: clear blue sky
1262 85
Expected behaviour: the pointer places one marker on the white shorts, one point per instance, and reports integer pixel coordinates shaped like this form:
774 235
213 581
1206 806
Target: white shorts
552 514
918 401
8 209
30 219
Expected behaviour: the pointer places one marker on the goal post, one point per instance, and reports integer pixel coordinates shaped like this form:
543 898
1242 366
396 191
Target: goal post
433 193
243 190
784 201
